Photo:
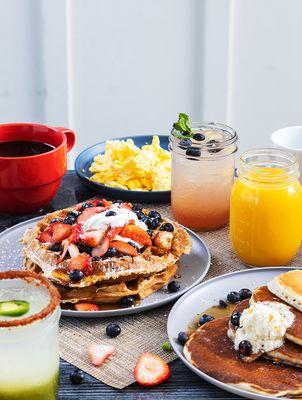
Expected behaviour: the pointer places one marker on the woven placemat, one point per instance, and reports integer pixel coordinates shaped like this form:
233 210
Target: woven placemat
143 332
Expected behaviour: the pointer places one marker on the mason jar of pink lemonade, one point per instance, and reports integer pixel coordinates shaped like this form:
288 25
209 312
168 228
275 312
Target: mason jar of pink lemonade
203 166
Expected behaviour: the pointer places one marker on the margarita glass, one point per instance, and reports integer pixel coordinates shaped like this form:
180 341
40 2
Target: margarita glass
203 169
29 315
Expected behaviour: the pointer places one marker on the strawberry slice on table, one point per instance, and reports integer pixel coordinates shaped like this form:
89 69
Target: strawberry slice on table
93 238
151 370
45 237
87 307
75 234
124 248
98 353
100 250
137 234
83 263
60 231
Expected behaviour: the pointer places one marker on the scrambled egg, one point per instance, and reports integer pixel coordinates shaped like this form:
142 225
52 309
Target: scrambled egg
126 166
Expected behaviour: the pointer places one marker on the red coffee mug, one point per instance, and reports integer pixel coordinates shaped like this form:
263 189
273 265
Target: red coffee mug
29 183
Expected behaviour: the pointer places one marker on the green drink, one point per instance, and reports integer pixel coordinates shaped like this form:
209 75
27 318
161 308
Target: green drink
29 315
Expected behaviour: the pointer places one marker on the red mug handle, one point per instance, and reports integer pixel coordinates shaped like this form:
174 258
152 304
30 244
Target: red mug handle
70 136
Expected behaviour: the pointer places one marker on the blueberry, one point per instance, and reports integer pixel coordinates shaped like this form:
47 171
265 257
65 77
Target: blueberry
74 213
54 220
110 214
76 275
83 248
223 304
245 294
184 143
111 252
100 204
205 318
140 215
96 258
86 205
127 301
193 151
173 286
186 133
137 207
76 377
154 214
199 137
113 330
233 297
167 226
235 318
182 338
70 219
152 223
245 348
55 247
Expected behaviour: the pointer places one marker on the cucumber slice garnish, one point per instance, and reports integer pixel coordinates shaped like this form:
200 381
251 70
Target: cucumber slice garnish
13 308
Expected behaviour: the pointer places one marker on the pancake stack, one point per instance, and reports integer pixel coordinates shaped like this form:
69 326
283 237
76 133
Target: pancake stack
277 372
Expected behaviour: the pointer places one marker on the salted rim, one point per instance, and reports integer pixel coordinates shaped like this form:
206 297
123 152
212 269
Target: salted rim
30 277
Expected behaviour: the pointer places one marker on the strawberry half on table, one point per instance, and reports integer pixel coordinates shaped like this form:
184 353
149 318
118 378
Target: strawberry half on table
151 370
104 252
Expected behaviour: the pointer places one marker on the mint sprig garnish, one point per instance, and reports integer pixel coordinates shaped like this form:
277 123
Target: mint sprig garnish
183 123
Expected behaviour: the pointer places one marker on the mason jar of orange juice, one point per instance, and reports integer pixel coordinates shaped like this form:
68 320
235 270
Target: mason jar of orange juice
266 208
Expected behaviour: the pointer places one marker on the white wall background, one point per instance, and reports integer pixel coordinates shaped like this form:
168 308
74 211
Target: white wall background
115 67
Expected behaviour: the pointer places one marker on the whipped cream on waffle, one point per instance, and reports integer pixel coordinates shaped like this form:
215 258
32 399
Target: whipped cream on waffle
123 217
264 325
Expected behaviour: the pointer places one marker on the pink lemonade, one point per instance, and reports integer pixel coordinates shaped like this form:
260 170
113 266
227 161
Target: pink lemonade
202 176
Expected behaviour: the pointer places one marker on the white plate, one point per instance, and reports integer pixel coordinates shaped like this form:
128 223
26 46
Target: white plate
192 269
205 296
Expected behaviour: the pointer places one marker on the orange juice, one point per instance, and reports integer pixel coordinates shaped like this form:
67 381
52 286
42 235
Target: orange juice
266 209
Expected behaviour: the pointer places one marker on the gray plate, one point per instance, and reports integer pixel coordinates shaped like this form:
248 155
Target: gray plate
192 268
205 296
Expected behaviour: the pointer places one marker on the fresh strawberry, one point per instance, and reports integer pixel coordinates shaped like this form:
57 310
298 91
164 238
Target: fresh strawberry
113 231
100 250
45 237
126 205
87 307
124 248
106 203
98 353
93 238
89 212
151 370
83 263
137 234
75 234
60 231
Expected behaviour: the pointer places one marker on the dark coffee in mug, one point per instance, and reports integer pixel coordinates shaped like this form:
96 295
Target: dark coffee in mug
23 148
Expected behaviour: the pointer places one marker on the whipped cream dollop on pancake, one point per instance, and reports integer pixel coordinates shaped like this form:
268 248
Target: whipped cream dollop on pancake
263 324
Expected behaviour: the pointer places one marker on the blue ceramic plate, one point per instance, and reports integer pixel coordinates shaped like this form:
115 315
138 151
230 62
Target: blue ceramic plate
84 160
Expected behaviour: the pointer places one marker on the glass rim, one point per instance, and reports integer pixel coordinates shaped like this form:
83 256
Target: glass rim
30 277
283 159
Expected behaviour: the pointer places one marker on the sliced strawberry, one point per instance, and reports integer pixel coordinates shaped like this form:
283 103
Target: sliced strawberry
93 238
75 234
81 262
98 353
106 203
73 250
137 234
87 307
151 370
126 205
60 231
124 248
89 212
100 250
113 231
45 237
